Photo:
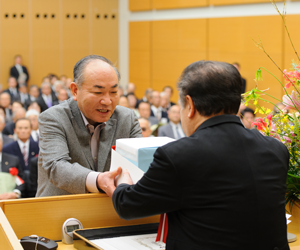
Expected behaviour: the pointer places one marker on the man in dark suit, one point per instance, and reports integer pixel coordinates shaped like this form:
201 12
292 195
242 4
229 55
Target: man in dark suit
12 90
173 129
7 162
47 99
223 186
19 72
24 148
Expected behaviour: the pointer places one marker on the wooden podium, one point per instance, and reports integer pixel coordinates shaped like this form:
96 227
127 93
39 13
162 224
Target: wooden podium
45 217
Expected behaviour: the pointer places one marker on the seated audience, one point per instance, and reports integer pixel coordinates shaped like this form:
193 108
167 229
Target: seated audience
57 86
25 148
164 101
248 117
47 99
130 88
173 129
23 94
16 105
10 161
146 97
123 101
144 110
33 117
156 109
145 127
10 126
5 101
132 101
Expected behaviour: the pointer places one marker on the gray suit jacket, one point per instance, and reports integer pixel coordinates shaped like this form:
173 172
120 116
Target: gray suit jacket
65 157
166 131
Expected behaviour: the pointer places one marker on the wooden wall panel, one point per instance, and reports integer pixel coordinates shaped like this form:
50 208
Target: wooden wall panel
175 45
14 35
140 56
104 29
138 5
176 4
75 33
230 2
45 40
230 40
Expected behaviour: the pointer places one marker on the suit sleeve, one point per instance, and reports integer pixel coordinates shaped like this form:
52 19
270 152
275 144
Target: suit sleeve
54 157
135 131
157 192
21 187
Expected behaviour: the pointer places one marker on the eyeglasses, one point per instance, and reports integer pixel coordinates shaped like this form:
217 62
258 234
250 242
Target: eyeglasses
144 129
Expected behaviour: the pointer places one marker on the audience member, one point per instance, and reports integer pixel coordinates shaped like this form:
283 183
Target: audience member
132 101
144 110
130 88
7 162
5 138
146 97
156 109
16 105
33 117
164 101
173 129
23 94
57 86
62 95
34 106
9 128
12 89
5 103
121 91
282 107
123 101
145 127
247 117
169 91
33 93
47 99
25 148
19 72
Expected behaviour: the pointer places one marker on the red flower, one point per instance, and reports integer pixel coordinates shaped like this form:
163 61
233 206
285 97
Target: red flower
13 171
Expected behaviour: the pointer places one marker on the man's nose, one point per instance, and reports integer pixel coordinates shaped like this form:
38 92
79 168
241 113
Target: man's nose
105 100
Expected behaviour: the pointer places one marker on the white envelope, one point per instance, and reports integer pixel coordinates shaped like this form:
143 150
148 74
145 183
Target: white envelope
118 160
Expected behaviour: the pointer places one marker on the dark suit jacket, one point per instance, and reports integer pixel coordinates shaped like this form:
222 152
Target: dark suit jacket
9 128
14 149
33 176
10 161
164 114
222 188
166 130
15 73
43 105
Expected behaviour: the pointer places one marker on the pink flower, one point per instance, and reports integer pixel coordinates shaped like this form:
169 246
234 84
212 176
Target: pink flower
289 103
289 84
287 139
297 74
269 117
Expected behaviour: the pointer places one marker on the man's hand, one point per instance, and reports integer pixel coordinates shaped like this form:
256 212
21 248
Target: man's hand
106 181
126 178
7 196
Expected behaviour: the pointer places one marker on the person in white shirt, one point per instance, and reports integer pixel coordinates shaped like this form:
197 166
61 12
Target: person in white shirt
173 129
156 109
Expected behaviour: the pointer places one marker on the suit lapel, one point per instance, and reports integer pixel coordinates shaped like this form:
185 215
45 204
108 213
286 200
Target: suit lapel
105 143
82 133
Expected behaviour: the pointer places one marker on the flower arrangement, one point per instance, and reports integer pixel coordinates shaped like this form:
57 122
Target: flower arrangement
284 125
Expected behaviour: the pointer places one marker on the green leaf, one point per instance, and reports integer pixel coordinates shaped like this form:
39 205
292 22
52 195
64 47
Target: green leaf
258 75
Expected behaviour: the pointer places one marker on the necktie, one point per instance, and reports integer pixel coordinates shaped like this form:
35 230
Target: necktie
25 155
49 102
178 136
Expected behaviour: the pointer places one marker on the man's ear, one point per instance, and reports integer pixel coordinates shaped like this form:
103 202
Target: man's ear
74 89
190 106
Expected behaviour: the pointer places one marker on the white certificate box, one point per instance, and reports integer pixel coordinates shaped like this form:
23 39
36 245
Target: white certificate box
118 160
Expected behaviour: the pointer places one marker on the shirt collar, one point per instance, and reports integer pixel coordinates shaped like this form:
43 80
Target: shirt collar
216 120
22 144
86 123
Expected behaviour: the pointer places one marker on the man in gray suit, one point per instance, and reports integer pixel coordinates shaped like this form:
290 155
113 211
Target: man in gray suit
76 136
173 129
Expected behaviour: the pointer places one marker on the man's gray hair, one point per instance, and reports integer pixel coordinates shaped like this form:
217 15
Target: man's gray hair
81 64
32 112
46 84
